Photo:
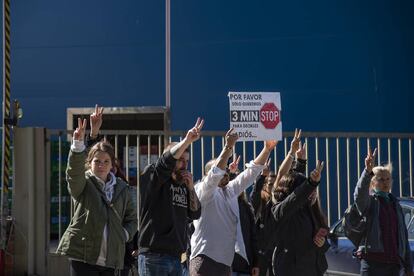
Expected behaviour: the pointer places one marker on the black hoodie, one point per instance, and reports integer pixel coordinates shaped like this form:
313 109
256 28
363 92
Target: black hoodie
164 209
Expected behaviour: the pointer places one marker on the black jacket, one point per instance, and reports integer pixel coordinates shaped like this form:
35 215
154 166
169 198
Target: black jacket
248 228
265 223
296 253
164 210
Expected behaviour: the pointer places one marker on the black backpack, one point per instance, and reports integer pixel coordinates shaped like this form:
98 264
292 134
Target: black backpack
354 224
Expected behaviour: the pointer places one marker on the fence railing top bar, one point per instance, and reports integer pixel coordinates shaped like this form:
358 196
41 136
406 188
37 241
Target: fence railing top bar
222 133
354 134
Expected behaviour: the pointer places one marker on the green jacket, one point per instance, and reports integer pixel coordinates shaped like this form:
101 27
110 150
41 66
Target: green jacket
82 239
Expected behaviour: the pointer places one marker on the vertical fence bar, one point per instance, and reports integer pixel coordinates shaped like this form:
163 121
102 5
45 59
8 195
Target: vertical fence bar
116 146
358 158
254 149
389 150
159 145
275 161
400 167
338 177
348 178
411 166
213 155
192 159
244 155
202 156
138 160
317 155
127 157
328 201
307 154
149 149
60 186
379 151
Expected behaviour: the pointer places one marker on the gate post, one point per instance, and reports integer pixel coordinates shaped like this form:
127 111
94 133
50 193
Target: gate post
31 201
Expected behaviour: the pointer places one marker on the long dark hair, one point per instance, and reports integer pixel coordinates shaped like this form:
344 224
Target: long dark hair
287 184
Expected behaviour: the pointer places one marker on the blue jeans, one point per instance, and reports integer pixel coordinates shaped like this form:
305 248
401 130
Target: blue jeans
155 264
239 274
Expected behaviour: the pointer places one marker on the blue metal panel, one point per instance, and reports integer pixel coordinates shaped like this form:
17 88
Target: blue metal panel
340 65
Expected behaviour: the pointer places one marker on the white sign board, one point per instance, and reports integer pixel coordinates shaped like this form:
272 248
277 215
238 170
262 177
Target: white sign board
256 115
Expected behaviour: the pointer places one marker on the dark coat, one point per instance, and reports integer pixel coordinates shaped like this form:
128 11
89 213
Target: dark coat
295 252
265 223
263 220
370 205
248 228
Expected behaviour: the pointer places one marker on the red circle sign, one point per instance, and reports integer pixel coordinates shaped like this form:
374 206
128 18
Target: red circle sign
269 115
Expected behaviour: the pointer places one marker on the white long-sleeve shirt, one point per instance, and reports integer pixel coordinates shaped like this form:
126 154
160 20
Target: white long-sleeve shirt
218 228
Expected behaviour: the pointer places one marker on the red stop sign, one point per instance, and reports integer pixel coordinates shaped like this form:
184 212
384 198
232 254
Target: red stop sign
269 115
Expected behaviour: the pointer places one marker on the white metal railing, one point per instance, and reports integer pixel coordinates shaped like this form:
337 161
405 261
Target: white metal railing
343 154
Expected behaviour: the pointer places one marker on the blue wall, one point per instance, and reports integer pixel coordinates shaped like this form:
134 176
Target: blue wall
340 65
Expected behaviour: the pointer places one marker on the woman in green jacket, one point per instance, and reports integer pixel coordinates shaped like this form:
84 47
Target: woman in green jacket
105 214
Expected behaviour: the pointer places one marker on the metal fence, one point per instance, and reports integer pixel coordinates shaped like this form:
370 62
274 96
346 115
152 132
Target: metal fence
343 154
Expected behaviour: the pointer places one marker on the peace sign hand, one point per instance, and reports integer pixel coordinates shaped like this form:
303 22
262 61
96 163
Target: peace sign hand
301 152
231 138
234 166
370 160
79 132
295 144
316 173
194 133
96 120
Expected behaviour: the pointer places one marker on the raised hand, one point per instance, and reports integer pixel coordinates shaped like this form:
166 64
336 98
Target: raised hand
301 152
95 120
370 160
194 133
270 144
295 144
234 166
231 138
316 173
79 133
266 169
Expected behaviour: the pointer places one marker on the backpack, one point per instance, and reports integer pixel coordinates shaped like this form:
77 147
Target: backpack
354 224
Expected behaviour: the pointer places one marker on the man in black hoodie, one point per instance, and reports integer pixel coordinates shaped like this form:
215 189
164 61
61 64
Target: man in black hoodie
166 201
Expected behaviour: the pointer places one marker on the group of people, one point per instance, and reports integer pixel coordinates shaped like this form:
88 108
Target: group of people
211 226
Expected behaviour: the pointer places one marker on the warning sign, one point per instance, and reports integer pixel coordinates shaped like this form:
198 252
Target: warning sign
256 115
